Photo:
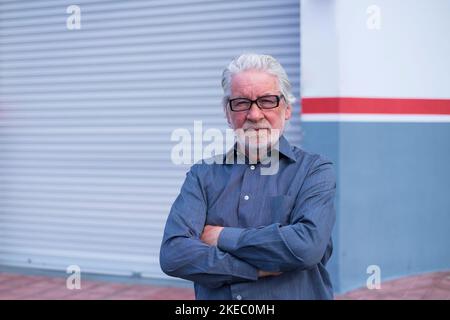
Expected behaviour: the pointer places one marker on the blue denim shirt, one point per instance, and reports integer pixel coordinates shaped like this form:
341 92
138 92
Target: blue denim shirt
281 222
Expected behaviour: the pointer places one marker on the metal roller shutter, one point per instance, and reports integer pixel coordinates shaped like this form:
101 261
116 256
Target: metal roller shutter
86 118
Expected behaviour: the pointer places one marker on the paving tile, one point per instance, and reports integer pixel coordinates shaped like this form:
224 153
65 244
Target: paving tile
437 294
413 295
15 286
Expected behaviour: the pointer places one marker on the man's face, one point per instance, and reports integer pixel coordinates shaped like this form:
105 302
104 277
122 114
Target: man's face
261 123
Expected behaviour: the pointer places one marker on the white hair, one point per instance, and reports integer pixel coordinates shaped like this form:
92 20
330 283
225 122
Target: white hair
261 62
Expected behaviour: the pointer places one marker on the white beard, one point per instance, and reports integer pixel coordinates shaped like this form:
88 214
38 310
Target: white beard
256 144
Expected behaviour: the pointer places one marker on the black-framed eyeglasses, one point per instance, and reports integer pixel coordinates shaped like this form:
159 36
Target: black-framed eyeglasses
264 102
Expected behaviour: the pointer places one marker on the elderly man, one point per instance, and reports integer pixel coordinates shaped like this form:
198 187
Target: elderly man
239 234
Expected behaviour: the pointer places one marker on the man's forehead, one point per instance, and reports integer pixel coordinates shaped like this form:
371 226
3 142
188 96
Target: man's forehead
254 80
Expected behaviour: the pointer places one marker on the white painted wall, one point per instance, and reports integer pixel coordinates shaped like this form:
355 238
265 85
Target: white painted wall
407 57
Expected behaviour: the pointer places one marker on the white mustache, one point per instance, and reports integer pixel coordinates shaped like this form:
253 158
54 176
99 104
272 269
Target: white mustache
246 127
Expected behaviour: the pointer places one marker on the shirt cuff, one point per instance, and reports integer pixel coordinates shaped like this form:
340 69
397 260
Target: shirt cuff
228 239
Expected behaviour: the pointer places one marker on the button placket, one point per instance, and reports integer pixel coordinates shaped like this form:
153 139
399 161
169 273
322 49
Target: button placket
246 195
246 184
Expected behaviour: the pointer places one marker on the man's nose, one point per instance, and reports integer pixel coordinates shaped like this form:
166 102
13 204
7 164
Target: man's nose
255 113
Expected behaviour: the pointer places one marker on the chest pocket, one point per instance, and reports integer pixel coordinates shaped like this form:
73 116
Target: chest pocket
280 208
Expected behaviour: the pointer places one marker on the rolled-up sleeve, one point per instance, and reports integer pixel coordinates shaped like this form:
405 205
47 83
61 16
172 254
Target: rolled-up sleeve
182 252
300 244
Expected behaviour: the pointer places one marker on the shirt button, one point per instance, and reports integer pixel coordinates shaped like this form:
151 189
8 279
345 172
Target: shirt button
246 197
239 297
252 167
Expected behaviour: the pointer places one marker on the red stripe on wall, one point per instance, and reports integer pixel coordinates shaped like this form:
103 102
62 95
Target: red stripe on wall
375 105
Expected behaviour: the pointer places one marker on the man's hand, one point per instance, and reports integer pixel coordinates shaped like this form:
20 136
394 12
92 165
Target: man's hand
267 273
211 234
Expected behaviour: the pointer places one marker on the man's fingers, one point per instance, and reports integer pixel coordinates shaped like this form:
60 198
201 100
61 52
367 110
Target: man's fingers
262 273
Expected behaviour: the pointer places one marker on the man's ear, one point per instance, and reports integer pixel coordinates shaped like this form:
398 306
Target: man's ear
288 112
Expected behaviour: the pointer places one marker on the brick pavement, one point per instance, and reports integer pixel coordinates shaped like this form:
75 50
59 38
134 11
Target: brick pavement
24 287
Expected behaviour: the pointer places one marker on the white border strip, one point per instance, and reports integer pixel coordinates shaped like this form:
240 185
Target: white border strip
372 117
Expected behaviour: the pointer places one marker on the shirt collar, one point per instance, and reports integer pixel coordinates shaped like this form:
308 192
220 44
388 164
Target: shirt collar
283 146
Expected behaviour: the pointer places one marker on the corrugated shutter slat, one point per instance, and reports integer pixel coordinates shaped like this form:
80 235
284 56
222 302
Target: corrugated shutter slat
86 118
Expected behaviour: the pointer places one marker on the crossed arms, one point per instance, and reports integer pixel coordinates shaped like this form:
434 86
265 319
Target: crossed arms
217 255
